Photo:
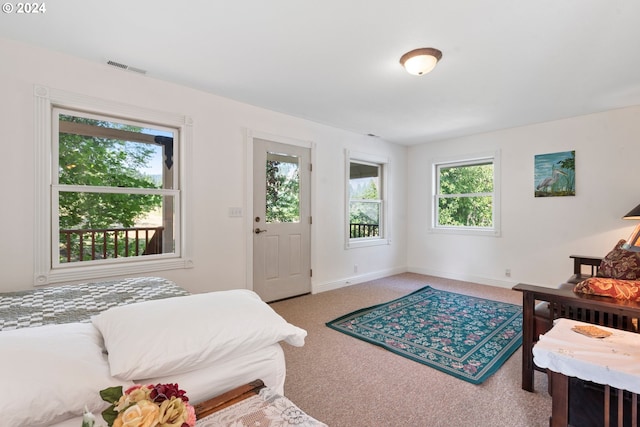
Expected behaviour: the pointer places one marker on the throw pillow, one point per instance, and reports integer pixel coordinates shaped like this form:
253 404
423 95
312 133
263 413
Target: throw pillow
608 287
620 264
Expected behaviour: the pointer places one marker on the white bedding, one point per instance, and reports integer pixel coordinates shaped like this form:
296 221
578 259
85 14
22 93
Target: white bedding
267 364
206 343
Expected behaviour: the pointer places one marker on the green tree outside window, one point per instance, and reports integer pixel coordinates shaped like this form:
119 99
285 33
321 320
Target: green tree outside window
464 197
93 161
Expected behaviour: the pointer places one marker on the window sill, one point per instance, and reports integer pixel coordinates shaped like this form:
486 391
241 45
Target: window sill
469 231
361 243
118 269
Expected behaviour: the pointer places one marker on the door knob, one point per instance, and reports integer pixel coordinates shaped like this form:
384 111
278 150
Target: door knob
258 231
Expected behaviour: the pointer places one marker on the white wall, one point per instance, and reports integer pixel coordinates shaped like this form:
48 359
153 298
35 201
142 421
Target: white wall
218 172
538 234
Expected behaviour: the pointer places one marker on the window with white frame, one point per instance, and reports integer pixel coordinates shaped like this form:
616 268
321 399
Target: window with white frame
466 195
366 201
111 188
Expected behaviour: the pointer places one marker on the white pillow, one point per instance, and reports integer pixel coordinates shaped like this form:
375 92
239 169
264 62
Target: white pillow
49 373
177 335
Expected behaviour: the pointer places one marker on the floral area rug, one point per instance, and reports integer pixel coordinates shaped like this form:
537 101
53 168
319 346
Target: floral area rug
467 337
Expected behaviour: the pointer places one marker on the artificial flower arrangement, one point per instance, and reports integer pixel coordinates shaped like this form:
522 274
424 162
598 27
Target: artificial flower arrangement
160 405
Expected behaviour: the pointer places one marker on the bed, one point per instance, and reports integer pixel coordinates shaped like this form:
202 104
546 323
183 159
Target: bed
61 345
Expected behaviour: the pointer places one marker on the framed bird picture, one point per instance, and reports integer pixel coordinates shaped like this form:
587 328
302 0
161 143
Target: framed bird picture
555 174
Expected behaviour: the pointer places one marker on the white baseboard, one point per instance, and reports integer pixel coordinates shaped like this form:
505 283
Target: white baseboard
464 277
329 286
337 284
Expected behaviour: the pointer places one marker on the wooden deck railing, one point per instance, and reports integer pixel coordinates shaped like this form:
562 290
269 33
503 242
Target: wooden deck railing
363 230
92 244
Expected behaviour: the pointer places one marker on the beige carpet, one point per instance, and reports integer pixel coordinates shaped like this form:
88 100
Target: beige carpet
346 382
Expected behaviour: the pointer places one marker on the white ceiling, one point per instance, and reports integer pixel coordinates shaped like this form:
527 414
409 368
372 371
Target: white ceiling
505 63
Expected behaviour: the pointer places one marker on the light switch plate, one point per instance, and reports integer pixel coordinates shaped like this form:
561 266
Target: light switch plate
235 212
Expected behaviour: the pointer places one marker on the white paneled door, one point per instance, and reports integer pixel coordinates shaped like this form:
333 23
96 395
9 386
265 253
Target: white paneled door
282 222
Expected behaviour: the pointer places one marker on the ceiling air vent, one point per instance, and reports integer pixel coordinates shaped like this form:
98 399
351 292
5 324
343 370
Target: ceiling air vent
126 67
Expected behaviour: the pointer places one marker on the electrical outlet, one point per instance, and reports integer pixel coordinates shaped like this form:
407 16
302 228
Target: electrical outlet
507 272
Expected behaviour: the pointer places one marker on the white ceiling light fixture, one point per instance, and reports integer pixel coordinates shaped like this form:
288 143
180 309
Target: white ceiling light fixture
420 61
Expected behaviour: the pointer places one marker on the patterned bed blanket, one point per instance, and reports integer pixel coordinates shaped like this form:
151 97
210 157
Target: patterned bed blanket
77 303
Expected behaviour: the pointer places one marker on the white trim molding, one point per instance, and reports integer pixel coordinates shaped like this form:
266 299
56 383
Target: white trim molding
495 230
45 99
385 238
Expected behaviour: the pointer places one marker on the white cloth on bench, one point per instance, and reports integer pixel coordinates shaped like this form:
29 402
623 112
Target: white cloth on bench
614 360
266 409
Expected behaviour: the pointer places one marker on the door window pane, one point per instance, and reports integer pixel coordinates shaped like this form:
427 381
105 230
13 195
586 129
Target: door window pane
283 188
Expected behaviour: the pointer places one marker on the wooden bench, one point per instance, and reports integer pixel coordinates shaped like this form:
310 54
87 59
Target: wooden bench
229 398
251 404
606 395
563 302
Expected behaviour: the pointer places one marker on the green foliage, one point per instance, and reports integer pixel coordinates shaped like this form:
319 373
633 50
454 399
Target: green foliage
111 395
361 210
364 212
466 206
466 179
465 211
367 192
364 208
283 189
364 219
102 162
106 162
568 166
569 163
